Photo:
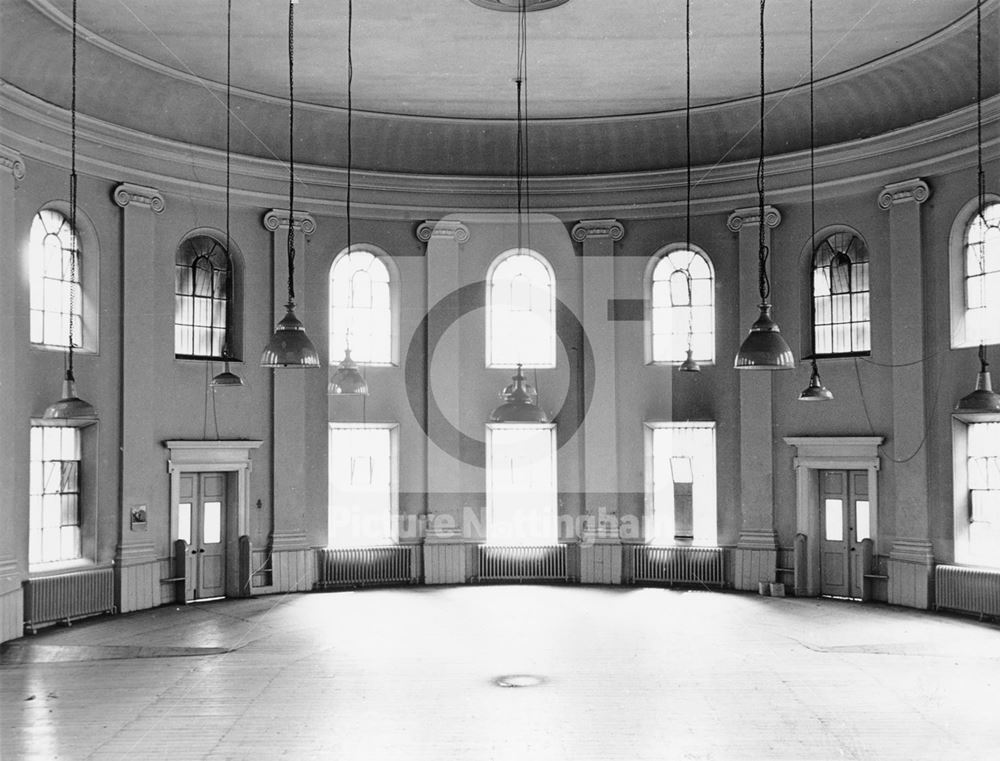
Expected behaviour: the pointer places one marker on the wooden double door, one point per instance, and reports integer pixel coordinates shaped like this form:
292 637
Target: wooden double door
845 521
201 523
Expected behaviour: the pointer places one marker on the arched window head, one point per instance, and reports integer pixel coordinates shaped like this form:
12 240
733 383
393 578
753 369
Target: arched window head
361 309
521 309
982 275
682 309
840 296
203 288
55 280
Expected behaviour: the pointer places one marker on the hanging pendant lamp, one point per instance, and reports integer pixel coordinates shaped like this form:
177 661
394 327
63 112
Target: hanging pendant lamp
346 380
764 348
290 347
983 400
227 378
689 365
815 391
519 403
71 410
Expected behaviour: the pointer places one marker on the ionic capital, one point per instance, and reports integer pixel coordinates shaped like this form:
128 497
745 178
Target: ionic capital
300 220
598 228
11 160
915 190
127 194
751 216
443 228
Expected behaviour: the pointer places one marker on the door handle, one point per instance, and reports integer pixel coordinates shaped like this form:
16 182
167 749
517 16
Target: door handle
203 549
194 552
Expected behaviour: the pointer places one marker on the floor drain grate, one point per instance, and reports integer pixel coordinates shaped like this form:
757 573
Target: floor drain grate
518 680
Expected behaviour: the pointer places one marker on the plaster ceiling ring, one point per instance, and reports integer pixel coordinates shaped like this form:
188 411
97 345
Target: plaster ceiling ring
512 5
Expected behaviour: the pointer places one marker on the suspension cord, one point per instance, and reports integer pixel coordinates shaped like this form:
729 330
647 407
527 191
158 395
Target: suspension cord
291 151
74 238
763 252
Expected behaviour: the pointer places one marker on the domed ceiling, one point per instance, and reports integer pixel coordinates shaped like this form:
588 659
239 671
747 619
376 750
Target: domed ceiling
433 81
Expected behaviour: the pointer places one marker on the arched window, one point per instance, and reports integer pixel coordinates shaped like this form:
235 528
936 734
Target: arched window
203 308
361 308
981 249
521 311
840 296
680 294
55 271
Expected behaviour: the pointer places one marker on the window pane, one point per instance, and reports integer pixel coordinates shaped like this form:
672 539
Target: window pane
522 505
361 488
211 532
184 521
524 331
834 512
862 519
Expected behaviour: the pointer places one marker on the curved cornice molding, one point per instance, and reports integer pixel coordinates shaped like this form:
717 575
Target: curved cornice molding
40 131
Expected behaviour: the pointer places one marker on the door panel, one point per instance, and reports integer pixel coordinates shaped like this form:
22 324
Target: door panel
845 520
201 522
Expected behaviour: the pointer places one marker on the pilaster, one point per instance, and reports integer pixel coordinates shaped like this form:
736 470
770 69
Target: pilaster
14 412
600 427
143 338
756 556
292 563
445 239
911 561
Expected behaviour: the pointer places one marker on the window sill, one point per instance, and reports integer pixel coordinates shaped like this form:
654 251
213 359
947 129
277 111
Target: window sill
77 350
41 570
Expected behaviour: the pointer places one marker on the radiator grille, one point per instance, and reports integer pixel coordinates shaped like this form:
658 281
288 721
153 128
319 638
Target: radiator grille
974 590
510 563
68 596
678 565
361 566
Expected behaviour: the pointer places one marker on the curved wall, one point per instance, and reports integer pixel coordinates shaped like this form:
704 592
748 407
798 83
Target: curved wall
168 399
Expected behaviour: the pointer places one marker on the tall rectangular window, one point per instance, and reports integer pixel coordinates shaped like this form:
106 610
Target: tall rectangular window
521 492
841 299
203 288
54 501
984 493
681 483
363 500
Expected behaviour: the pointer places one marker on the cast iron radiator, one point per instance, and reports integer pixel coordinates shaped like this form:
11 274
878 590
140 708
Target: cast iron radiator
360 566
521 563
677 565
973 590
68 596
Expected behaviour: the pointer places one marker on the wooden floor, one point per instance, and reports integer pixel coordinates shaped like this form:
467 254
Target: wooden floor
411 674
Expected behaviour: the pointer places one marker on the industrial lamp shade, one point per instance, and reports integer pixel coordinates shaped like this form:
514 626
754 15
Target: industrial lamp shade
290 347
764 348
689 365
227 379
983 400
346 379
70 410
816 391
519 405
